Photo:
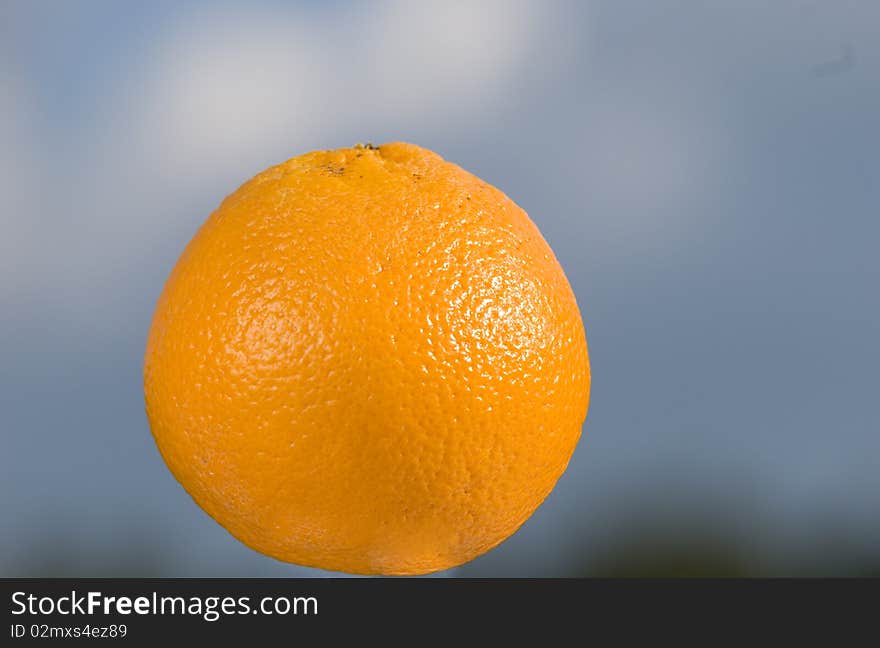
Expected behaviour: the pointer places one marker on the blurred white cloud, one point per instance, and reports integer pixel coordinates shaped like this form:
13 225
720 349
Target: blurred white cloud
224 85
235 84
223 92
446 58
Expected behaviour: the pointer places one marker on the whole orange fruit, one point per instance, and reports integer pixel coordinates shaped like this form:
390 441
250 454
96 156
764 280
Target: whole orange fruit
367 360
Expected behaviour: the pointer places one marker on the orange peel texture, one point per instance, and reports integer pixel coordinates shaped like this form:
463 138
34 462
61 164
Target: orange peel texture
368 360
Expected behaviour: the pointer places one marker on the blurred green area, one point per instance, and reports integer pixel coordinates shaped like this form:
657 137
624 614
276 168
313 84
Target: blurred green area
679 544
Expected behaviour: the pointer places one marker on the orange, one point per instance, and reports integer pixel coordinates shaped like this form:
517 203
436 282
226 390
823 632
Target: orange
367 360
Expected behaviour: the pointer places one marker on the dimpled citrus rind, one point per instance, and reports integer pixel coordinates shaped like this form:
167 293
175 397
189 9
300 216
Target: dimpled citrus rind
367 360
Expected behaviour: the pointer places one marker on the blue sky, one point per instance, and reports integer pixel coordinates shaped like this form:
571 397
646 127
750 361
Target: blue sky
707 173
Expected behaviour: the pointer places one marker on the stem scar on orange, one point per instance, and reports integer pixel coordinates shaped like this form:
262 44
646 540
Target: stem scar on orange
367 360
